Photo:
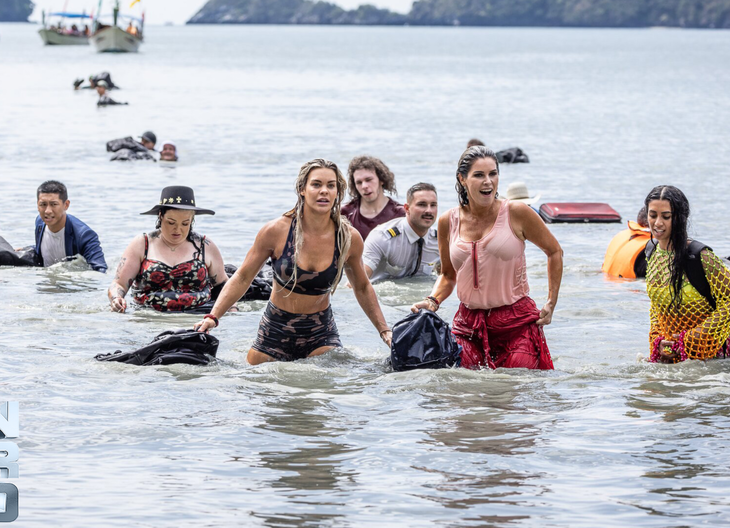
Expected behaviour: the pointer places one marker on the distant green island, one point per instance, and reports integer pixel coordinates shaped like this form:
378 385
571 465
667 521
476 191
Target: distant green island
560 13
15 10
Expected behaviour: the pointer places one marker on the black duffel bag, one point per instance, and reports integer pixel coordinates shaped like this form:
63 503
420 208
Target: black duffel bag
24 257
423 341
178 346
512 155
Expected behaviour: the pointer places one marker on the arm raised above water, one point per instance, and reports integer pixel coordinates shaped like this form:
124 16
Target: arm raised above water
363 290
263 248
446 281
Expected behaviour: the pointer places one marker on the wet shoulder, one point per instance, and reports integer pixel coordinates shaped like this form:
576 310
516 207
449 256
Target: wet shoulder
273 234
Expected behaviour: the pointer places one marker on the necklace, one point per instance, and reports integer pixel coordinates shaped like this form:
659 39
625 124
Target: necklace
173 249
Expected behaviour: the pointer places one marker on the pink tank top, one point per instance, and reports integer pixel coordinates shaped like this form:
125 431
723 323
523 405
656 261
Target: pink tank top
490 272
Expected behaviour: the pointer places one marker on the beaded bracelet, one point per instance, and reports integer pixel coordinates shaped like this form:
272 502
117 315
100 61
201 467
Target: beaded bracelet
434 300
213 317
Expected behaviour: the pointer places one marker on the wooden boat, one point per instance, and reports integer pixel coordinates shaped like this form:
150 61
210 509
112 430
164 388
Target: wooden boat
112 38
59 35
115 39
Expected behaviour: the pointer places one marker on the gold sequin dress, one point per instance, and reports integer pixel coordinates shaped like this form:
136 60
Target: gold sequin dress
707 329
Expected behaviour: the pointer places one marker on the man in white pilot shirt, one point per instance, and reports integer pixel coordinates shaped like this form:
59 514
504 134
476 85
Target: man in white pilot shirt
404 247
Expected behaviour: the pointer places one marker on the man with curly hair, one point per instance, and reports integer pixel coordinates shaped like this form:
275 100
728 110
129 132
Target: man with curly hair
369 179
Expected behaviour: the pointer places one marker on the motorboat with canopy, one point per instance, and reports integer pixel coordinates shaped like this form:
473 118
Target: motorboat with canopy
65 29
112 36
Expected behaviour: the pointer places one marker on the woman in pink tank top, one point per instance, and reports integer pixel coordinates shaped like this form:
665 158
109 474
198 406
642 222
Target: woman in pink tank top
482 248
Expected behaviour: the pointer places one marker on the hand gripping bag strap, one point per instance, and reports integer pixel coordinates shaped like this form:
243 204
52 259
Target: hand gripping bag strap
693 268
10 257
423 341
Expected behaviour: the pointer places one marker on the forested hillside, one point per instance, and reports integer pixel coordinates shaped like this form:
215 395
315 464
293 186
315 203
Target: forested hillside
15 10
576 13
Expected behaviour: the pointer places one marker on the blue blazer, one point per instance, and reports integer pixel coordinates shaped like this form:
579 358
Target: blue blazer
80 240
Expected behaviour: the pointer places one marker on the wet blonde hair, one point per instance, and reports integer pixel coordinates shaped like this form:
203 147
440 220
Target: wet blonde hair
344 237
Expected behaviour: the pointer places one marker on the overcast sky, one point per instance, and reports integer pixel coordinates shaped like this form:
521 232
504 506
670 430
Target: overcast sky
179 11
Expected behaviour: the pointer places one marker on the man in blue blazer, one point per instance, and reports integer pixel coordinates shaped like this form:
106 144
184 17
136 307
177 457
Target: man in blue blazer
58 235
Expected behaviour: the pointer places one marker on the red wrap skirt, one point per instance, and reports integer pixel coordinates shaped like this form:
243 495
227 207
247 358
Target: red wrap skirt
505 337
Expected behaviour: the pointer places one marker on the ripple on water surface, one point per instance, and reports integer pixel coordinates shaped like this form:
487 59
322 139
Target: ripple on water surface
606 439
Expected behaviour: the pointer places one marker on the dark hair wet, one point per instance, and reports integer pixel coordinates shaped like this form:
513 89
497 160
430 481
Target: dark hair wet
678 237
466 161
52 187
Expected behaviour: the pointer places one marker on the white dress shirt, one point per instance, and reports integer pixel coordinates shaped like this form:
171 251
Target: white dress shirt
391 251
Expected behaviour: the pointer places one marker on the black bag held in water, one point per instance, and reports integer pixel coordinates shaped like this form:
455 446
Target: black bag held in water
512 155
423 341
24 257
180 346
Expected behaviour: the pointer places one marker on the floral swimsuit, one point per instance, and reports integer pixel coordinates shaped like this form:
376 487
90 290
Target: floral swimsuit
172 288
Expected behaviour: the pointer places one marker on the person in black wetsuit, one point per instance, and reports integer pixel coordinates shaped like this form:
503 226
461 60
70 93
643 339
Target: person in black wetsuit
298 320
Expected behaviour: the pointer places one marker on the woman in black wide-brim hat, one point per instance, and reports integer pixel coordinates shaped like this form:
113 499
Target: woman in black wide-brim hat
173 268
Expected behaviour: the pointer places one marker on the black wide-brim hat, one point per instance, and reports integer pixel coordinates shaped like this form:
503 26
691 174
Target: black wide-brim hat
178 197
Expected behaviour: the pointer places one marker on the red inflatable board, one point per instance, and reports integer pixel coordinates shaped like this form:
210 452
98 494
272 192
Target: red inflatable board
577 212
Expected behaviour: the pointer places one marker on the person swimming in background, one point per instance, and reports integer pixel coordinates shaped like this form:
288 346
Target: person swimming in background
482 247
129 149
93 79
298 320
104 98
625 257
168 152
368 181
172 269
687 284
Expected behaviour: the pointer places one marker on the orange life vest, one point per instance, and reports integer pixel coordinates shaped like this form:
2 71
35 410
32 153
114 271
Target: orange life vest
623 250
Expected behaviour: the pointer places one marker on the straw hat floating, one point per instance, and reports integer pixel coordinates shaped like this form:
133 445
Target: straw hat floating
518 191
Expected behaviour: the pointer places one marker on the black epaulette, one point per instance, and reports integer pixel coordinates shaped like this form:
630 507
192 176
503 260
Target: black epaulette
393 232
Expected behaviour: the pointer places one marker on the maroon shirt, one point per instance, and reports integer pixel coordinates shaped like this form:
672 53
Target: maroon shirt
364 225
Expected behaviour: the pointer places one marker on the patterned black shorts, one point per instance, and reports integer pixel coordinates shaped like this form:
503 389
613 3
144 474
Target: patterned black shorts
288 336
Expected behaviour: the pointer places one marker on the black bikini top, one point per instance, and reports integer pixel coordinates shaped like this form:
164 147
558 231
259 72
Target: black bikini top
308 282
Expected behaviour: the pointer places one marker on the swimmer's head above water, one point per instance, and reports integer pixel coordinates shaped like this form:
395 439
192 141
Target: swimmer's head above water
53 202
421 207
168 152
477 176
369 178
320 188
176 213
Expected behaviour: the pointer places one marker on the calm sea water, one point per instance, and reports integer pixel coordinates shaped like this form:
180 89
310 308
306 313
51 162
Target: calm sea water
604 440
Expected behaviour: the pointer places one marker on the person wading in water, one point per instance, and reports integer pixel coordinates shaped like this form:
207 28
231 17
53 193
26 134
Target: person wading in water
310 246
